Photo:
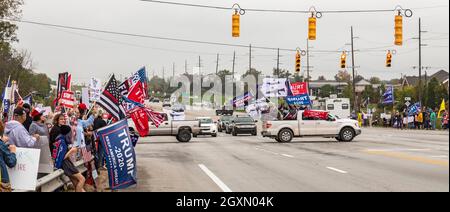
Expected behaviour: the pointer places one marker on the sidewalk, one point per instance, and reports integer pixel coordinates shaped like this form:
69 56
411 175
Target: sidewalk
414 131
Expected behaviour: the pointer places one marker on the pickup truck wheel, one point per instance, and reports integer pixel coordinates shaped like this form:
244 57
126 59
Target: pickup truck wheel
285 136
347 134
184 136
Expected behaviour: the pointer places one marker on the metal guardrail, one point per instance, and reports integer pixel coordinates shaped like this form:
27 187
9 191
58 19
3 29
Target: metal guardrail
56 179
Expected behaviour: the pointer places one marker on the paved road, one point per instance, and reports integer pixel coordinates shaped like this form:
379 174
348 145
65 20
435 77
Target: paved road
378 160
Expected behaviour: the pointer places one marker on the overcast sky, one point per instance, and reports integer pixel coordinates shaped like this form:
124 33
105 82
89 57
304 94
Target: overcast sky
87 54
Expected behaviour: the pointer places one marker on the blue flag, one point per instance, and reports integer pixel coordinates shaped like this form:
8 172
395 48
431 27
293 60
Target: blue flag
414 109
60 151
302 99
389 96
120 155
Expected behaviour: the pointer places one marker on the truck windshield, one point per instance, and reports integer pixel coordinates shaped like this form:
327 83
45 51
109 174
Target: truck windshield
226 118
206 121
243 120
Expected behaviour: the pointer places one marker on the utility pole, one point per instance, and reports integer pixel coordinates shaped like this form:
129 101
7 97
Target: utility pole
164 73
307 60
420 62
185 66
278 60
356 107
250 59
234 62
173 71
199 65
217 64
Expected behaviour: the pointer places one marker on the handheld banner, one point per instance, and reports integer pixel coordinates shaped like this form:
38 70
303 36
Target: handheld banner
299 100
299 88
120 155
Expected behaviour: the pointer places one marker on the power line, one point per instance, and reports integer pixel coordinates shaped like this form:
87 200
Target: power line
145 36
272 10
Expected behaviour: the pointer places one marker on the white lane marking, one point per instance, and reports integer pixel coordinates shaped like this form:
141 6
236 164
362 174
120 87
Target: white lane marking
440 156
337 170
397 150
215 178
267 151
289 156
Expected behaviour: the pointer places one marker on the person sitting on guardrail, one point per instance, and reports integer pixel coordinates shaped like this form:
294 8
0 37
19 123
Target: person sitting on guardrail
17 133
39 126
62 152
7 159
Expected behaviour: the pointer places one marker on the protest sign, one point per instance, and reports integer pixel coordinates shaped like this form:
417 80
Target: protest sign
120 155
45 162
24 175
68 99
274 87
85 97
298 100
95 87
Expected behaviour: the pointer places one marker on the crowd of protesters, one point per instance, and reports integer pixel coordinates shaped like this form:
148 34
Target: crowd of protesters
75 127
424 119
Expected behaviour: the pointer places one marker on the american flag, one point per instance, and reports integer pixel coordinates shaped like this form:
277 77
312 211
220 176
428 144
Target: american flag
17 98
109 100
155 117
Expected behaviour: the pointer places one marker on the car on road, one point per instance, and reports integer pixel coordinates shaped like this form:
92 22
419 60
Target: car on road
207 127
223 122
182 130
312 123
243 125
166 103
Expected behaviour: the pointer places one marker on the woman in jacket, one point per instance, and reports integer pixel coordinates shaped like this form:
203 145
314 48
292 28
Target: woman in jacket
7 159
58 121
39 126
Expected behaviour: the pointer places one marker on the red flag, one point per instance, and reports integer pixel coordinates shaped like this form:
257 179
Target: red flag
322 115
299 88
140 119
137 93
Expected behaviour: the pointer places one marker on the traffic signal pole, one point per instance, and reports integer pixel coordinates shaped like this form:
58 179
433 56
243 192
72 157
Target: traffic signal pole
307 60
420 62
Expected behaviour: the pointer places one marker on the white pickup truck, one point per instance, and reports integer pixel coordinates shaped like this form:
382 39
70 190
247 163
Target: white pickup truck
312 123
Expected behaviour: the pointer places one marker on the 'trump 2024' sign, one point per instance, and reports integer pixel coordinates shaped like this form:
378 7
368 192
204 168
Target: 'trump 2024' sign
121 158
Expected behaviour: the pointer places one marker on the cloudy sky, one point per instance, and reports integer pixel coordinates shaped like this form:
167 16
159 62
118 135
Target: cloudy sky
87 54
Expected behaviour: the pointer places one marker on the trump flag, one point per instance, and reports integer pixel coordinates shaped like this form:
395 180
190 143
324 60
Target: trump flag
120 155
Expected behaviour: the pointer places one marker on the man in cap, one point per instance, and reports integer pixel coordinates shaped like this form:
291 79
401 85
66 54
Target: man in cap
29 120
17 133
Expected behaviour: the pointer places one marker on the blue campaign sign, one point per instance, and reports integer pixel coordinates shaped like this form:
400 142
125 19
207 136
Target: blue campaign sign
120 155
299 100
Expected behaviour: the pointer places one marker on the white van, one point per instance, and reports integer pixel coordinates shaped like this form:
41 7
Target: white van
339 107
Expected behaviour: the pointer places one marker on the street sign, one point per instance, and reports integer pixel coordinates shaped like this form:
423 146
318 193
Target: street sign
407 98
407 103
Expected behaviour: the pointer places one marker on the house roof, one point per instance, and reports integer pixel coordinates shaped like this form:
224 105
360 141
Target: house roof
441 76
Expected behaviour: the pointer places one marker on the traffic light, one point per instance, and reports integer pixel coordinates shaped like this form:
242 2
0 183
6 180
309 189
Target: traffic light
389 59
312 27
343 59
398 30
297 62
236 25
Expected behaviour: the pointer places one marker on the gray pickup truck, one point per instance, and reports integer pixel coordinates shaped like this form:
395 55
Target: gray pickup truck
182 130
